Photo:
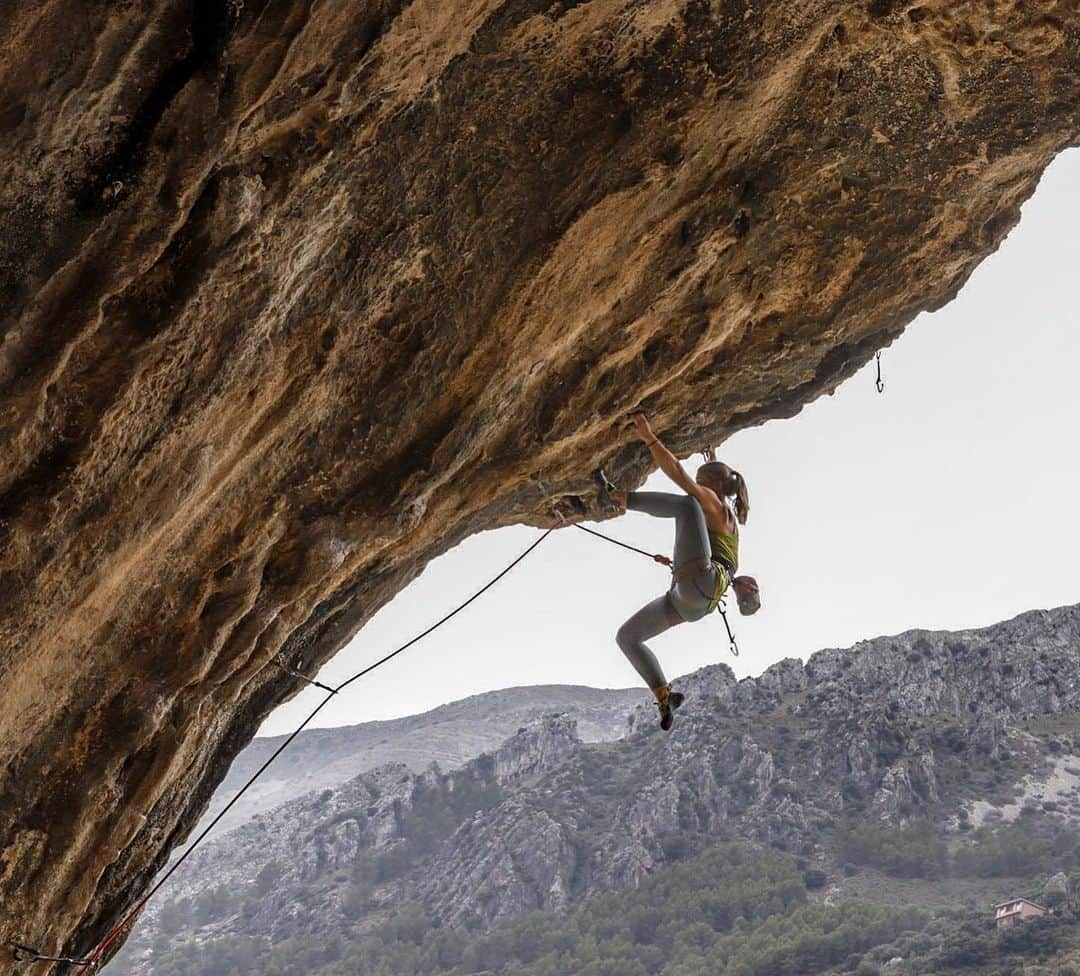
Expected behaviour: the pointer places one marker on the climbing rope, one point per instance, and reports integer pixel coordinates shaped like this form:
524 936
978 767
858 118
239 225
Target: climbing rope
23 952
663 560
655 557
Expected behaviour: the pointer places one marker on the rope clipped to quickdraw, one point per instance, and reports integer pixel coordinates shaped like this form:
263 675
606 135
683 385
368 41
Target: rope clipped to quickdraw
93 963
279 663
25 953
879 383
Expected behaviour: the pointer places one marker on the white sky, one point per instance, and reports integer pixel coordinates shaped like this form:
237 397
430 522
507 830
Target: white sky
949 502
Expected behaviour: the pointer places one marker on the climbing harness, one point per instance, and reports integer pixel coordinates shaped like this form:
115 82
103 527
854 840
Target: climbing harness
23 953
664 561
724 577
879 383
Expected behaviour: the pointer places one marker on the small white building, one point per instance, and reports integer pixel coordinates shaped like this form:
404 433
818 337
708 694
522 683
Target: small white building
1008 913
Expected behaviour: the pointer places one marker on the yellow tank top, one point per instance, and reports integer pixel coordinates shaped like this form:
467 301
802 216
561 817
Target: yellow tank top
725 548
725 557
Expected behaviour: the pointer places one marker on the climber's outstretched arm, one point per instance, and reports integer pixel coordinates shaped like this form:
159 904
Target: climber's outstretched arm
669 464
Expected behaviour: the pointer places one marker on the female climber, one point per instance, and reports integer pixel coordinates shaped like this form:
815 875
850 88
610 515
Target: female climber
706 556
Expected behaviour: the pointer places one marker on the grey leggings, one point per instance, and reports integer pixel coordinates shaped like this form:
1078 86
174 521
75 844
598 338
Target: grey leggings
688 599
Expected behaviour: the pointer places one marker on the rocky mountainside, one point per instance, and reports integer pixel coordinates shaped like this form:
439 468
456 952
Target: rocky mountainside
295 296
449 736
951 731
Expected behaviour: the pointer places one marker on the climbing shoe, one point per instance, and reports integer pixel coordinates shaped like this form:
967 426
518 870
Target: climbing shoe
667 708
603 489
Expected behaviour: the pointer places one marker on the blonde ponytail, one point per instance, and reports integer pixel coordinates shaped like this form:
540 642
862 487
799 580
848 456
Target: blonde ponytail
742 497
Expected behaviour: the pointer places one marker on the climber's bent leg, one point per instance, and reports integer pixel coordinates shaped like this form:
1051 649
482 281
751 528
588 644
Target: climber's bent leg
691 532
652 619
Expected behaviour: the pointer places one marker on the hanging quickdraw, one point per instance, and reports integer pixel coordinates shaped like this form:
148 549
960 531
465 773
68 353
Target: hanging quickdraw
731 637
25 953
879 383
278 663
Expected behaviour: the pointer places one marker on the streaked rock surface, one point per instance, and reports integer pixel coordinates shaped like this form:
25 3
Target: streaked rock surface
296 296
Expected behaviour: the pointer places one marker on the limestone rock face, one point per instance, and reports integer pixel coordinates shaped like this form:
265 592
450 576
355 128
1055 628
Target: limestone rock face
848 735
374 815
296 296
535 747
449 735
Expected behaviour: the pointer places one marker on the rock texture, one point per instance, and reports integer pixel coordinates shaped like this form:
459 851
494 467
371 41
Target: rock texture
893 728
921 725
328 831
297 295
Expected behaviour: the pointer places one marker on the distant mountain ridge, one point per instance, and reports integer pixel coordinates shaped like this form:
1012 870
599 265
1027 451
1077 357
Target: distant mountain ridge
449 735
828 760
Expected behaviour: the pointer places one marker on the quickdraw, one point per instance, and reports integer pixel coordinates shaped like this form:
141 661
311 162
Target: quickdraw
25 953
278 663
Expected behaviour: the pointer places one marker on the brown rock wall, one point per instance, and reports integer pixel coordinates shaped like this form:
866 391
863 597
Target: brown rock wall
297 295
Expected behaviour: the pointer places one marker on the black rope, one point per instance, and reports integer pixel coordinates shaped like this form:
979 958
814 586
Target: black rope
663 560
112 935
453 613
